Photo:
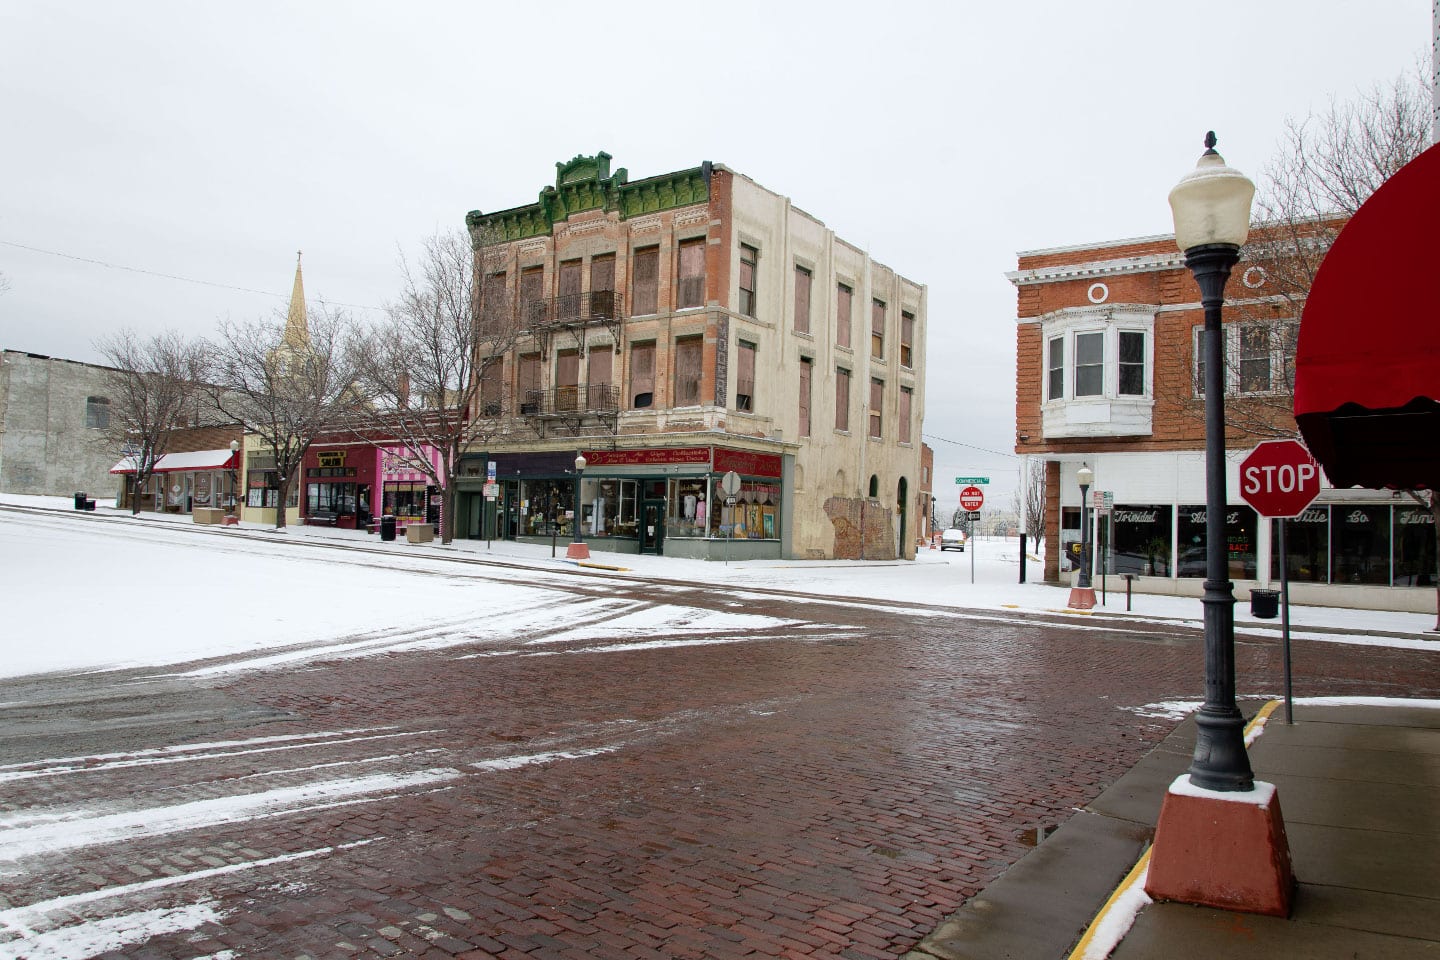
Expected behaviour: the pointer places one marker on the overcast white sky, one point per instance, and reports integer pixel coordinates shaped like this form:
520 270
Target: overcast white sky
210 142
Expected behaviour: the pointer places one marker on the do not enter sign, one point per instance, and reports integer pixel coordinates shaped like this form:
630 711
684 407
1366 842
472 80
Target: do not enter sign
972 498
1279 478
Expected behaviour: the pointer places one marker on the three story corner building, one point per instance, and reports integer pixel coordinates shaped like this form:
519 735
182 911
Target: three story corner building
678 329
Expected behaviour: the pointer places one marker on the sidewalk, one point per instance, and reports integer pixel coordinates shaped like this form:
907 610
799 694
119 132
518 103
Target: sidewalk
1358 787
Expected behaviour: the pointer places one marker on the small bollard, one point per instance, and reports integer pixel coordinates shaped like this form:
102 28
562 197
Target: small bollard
1129 579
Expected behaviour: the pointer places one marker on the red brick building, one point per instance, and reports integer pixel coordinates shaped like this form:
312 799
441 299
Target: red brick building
1108 371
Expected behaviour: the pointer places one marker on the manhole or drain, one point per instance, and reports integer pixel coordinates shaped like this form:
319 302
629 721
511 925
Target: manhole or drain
1035 836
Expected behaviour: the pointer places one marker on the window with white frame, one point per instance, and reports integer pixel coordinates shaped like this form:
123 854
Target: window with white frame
1104 358
1259 357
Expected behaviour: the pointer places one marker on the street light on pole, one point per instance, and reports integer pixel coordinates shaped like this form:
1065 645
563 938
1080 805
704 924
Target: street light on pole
1212 219
578 549
1082 595
1218 804
234 478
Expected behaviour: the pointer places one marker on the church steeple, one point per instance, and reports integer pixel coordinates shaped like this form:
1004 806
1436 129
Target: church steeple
297 331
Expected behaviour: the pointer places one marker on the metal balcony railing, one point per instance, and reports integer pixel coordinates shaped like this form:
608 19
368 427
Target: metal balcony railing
596 398
575 308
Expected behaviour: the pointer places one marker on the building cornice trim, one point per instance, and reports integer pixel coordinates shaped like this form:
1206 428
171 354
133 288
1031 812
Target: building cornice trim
1097 268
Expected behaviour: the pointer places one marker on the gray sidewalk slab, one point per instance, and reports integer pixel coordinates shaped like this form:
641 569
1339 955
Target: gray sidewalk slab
1358 788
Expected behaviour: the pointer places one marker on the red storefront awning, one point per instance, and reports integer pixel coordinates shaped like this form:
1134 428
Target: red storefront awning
179 462
1367 365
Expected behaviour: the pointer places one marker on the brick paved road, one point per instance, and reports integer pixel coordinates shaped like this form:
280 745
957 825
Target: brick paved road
832 787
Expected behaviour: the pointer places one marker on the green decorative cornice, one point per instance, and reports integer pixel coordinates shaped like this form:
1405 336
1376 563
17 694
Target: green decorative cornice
585 183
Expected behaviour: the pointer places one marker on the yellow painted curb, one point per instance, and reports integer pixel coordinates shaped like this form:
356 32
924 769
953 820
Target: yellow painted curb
1143 863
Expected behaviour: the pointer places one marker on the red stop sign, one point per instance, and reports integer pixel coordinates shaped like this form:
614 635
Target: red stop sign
972 498
1279 478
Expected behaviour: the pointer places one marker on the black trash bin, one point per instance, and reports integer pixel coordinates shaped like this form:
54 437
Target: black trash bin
387 527
80 501
1265 604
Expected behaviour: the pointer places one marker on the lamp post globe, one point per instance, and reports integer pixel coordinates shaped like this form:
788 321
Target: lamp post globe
1211 206
1086 476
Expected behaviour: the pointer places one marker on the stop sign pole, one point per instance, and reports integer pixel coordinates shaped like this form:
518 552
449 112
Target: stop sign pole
1280 480
972 498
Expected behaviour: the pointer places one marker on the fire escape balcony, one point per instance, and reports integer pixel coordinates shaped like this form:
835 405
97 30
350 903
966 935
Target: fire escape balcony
598 306
596 399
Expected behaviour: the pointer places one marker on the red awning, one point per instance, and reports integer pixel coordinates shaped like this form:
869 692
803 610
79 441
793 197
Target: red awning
1367 365
179 462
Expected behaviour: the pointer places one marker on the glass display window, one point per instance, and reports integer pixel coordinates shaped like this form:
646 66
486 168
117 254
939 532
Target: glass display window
405 501
1240 527
1360 543
1140 539
687 501
1307 547
1414 540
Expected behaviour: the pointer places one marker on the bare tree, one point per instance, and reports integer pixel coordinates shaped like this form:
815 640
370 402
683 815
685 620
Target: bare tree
1326 165
434 367
153 385
1033 492
286 385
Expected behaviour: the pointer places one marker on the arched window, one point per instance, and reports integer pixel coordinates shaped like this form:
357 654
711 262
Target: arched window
874 485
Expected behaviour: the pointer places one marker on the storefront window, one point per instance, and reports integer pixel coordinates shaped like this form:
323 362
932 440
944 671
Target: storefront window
405 500
1140 539
755 516
688 503
1414 547
1360 548
1240 525
1307 546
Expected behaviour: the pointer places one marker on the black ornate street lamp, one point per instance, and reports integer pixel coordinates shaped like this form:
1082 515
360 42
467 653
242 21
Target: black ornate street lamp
1212 219
578 550
1086 476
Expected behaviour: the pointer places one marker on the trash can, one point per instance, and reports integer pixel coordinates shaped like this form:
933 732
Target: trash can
89 504
387 527
80 501
1265 604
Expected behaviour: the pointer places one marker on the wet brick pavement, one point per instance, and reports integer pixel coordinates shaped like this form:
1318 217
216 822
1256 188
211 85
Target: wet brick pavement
825 790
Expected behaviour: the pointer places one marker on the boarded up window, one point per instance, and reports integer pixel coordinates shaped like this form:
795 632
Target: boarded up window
567 380
877 405
490 386
645 289
806 366
906 394
527 384
842 399
748 256
745 376
687 371
495 306
567 303
843 295
877 329
599 379
602 287
642 375
691 291
532 295
907 339
802 300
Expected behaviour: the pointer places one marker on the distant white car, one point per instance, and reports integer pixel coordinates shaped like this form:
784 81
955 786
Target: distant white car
952 539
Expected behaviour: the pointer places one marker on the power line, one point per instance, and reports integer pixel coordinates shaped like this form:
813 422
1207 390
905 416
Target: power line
171 276
971 446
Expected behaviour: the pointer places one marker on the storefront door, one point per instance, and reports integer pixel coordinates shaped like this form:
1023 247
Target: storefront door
652 526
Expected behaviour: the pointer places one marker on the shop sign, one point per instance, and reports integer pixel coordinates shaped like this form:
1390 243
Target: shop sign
331 458
746 463
632 458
